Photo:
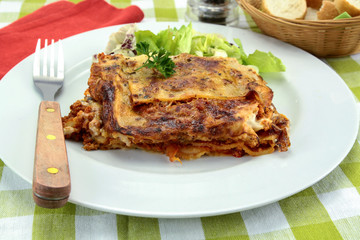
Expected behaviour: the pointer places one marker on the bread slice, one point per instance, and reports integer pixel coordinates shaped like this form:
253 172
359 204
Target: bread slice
352 7
311 14
290 9
316 4
327 11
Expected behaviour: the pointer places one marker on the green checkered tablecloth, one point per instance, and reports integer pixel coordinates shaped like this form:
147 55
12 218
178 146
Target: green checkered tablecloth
330 209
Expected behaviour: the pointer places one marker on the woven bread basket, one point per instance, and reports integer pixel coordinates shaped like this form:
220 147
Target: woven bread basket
322 38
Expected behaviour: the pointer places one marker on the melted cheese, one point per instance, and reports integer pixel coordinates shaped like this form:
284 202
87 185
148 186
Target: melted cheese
253 123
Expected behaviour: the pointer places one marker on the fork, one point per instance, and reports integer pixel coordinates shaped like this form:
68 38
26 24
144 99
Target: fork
51 176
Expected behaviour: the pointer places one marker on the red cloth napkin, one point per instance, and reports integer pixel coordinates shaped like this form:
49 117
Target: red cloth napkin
58 20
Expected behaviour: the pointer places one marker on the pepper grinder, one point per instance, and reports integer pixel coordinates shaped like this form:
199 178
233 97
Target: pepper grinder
224 12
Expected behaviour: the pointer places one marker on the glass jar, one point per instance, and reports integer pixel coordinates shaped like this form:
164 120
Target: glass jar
224 12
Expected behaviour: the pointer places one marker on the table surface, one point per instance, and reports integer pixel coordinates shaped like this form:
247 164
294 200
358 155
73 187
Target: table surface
330 209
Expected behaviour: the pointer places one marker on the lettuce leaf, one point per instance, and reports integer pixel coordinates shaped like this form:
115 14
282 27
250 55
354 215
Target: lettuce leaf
187 40
149 37
215 45
175 40
266 62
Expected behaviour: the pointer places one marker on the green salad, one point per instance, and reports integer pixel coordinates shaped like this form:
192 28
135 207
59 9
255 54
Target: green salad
174 41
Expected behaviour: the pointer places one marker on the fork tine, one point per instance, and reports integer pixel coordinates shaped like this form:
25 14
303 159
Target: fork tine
48 84
45 58
36 66
60 69
52 59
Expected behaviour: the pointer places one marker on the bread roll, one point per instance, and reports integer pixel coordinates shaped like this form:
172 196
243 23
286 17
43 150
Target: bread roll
352 7
290 9
327 11
316 4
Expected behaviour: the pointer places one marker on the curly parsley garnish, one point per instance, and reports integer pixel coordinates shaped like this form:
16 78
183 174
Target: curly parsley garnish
157 59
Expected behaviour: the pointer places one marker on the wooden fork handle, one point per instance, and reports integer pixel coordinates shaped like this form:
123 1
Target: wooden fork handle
51 176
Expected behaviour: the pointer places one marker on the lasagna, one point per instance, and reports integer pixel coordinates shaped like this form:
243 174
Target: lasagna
210 106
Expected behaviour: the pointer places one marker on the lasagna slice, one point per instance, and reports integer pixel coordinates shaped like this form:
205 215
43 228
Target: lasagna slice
210 106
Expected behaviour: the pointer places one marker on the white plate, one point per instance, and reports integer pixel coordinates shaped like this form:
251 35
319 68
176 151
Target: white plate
321 108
